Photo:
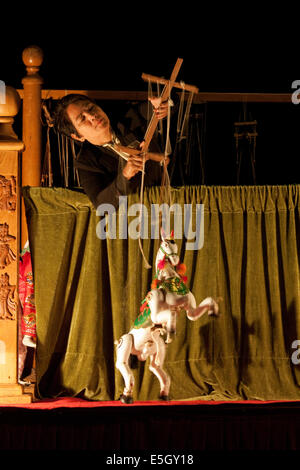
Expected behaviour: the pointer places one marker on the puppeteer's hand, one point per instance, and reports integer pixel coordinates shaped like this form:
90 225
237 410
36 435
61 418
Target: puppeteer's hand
135 162
134 165
158 157
160 109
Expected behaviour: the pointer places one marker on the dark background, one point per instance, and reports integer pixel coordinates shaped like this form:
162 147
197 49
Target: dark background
111 54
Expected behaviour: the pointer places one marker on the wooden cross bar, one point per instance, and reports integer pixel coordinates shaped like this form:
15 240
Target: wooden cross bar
163 81
169 84
165 94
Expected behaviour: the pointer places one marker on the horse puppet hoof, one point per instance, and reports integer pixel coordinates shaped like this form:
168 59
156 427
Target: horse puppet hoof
170 336
126 399
164 397
214 308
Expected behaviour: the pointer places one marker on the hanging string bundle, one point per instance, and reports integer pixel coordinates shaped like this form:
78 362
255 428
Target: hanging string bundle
47 174
165 193
165 189
183 117
65 157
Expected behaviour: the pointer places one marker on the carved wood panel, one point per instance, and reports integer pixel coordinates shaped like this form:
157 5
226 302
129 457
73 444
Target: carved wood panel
9 264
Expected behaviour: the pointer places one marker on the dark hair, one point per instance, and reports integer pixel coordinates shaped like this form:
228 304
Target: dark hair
62 122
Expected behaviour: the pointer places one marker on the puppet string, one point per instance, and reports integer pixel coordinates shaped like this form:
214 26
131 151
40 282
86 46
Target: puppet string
166 186
186 116
147 265
180 110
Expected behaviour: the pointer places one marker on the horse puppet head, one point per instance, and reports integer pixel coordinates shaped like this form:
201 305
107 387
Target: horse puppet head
167 252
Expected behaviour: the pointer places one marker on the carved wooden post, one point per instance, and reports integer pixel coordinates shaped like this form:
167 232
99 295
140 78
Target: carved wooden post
10 147
32 130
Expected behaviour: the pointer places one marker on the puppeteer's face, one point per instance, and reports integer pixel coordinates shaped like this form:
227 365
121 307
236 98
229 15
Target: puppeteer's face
90 121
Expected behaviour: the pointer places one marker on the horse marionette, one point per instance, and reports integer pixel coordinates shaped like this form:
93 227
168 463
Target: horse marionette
168 296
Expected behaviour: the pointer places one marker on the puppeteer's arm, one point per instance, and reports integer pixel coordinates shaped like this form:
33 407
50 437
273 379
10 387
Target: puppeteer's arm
101 189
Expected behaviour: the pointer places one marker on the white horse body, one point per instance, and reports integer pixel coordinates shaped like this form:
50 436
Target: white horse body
162 306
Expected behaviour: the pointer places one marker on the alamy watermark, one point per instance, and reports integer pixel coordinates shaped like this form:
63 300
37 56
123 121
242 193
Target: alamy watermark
296 94
186 220
295 358
296 354
2 92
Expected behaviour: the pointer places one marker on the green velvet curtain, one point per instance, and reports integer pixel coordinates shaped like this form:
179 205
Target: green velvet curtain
88 293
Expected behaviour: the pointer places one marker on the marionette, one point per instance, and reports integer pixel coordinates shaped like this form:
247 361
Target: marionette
156 325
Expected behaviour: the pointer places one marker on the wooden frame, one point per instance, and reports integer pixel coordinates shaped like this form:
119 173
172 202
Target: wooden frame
10 147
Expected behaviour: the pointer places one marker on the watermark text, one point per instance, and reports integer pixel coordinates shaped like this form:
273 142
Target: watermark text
296 94
138 221
296 354
2 92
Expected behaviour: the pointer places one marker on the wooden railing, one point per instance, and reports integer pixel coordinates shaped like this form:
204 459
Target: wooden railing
201 97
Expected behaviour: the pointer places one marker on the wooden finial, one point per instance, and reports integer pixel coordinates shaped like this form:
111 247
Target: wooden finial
33 58
10 106
8 110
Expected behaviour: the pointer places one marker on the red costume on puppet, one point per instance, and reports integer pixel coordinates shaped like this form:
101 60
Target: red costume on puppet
26 295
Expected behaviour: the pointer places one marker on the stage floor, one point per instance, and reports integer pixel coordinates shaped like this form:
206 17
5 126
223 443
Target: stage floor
71 402
187 426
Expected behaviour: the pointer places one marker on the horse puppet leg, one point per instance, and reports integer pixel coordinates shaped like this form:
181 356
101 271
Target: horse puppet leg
208 305
124 348
161 312
156 367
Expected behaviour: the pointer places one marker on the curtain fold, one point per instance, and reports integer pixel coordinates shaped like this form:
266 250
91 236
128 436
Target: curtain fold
89 290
